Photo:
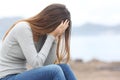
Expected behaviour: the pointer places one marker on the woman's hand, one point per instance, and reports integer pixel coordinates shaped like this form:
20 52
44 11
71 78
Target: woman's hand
60 29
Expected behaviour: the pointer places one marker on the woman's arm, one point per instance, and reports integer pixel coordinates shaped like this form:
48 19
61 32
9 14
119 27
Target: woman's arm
23 35
52 55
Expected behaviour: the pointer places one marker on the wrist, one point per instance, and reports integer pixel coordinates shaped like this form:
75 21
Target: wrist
52 34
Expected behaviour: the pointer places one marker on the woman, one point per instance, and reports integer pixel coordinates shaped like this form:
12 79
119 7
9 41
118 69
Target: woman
41 41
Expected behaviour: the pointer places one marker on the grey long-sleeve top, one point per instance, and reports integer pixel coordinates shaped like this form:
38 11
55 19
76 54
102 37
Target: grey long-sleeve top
19 48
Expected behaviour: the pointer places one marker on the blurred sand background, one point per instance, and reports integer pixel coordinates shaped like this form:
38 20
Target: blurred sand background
96 70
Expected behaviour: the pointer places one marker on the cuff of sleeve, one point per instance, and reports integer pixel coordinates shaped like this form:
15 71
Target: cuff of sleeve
51 37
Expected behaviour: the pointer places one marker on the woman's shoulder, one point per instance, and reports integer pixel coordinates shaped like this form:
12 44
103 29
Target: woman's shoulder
21 26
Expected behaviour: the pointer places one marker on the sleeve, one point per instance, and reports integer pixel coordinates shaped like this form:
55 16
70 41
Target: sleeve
52 55
23 35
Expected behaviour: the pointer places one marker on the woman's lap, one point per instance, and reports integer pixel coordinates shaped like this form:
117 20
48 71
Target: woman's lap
69 75
50 72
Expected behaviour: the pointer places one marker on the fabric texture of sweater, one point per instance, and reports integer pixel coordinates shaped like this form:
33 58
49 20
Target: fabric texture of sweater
19 48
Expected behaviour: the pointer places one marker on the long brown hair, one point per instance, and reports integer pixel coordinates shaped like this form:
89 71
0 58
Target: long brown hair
45 22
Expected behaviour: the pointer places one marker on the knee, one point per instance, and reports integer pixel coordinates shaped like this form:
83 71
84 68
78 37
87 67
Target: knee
55 68
64 65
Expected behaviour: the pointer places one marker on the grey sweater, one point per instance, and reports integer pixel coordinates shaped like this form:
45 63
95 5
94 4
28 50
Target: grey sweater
18 48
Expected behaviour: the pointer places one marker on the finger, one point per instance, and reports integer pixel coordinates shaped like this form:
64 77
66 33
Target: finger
61 24
65 21
66 25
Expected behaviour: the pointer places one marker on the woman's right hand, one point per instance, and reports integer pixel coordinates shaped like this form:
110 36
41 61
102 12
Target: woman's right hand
60 29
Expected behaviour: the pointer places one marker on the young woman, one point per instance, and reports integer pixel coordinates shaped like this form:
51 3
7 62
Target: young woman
41 41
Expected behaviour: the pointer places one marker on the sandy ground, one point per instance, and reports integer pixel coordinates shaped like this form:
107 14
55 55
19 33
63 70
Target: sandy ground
96 70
